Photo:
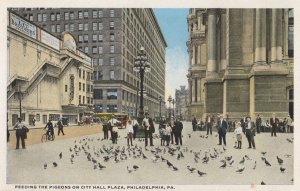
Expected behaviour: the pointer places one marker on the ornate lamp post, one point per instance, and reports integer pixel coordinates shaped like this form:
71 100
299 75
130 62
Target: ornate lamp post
141 65
173 102
160 100
170 100
20 101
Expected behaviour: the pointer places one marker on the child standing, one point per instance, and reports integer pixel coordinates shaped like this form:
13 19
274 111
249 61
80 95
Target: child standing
129 132
167 134
161 134
239 131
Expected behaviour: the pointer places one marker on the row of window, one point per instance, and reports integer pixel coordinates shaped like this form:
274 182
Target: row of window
97 50
69 15
89 88
109 108
95 37
99 61
81 27
98 75
89 100
81 73
110 94
81 86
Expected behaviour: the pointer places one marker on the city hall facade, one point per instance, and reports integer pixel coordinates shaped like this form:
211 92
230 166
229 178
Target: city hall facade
47 77
240 62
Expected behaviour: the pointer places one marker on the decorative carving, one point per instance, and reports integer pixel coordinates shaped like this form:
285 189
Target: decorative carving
212 11
24 46
39 54
222 11
200 12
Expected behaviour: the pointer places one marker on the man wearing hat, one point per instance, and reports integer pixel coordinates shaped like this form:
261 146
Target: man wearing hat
250 132
274 124
113 128
20 134
50 130
148 128
209 123
60 127
222 128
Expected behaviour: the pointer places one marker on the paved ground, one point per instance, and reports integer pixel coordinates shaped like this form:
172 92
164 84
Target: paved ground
27 166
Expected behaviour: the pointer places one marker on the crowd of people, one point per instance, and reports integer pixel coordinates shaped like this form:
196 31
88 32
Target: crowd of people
170 130
245 126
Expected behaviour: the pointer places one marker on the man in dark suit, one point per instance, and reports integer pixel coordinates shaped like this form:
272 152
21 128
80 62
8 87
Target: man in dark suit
250 132
222 128
177 131
258 123
209 123
194 123
60 127
20 134
148 128
274 124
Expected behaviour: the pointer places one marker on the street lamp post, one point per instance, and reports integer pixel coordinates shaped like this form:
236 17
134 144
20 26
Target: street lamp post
173 102
170 100
160 100
20 101
141 65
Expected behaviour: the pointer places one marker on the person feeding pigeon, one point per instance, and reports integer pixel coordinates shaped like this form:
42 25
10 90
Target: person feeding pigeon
114 129
148 128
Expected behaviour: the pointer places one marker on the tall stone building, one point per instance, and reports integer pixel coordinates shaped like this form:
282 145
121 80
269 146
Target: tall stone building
48 77
241 62
113 37
181 98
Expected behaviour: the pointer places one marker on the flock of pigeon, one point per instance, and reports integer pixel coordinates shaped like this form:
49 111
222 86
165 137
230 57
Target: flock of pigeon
99 156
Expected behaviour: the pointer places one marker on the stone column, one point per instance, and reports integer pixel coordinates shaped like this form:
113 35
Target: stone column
274 36
279 35
212 44
193 90
199 54
223 39
194 55
260 36
199 90
285 33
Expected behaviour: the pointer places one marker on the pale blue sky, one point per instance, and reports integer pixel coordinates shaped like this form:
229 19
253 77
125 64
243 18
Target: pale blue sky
173 23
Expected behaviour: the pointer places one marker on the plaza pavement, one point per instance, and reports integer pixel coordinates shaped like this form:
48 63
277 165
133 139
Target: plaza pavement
27 166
